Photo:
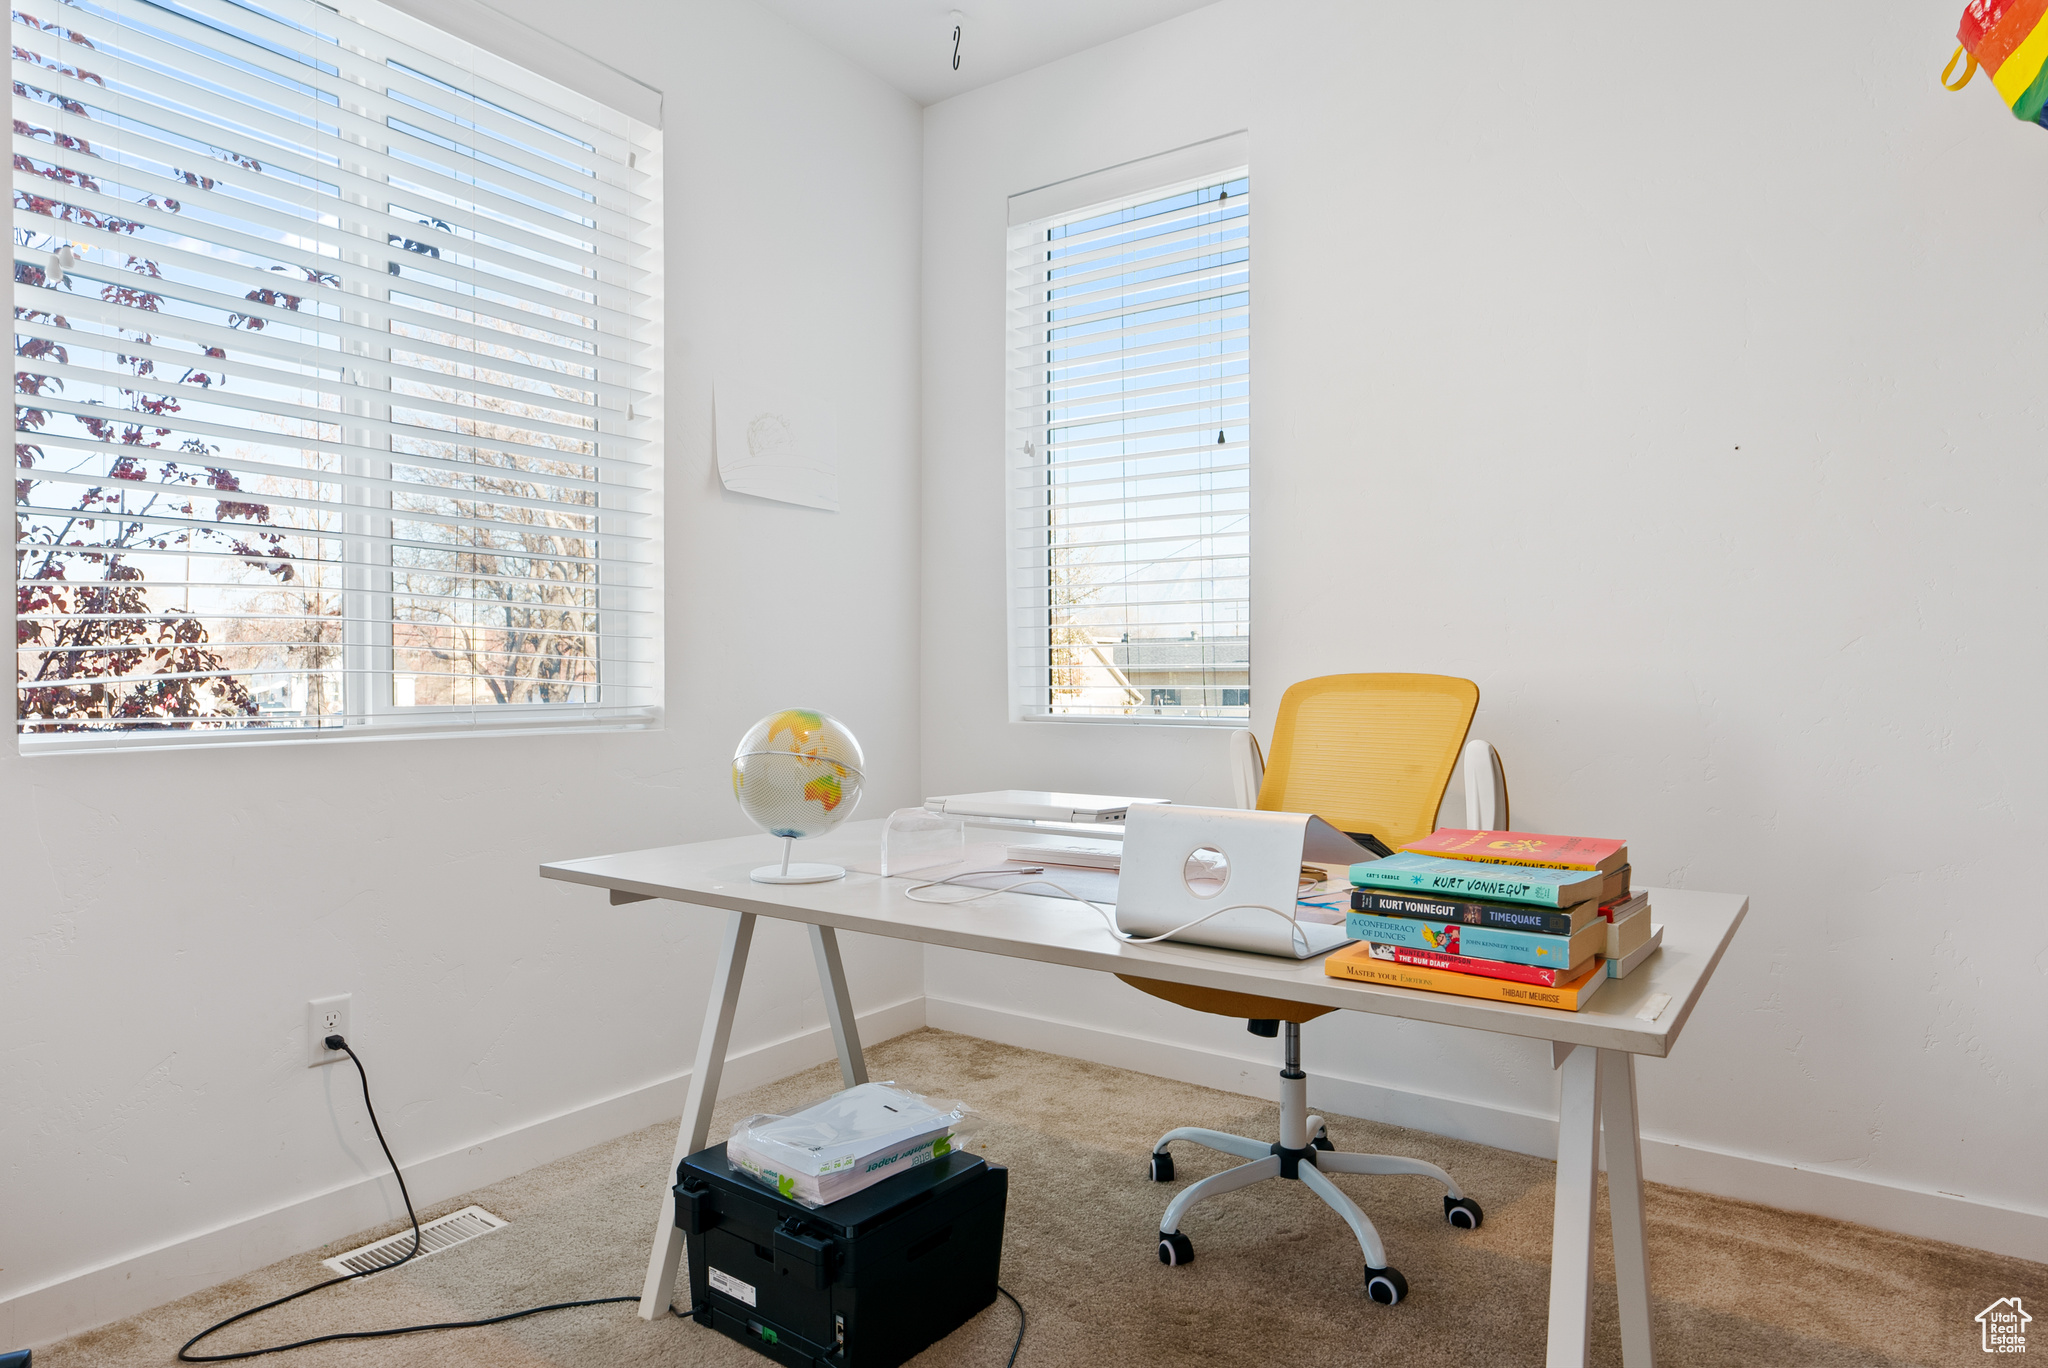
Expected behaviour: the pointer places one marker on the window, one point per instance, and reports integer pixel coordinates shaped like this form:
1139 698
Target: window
1130 434
333 412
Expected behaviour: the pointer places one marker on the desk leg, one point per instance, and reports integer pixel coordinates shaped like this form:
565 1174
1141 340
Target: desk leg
696 1128
1571 1240
1625 1201
839 1005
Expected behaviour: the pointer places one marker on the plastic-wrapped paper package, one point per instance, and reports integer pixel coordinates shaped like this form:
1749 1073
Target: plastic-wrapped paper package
850 1141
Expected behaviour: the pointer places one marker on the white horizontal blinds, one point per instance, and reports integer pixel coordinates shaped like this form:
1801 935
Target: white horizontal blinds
1131 432
333 343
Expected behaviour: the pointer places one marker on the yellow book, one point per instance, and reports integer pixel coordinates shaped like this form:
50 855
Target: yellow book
1357 962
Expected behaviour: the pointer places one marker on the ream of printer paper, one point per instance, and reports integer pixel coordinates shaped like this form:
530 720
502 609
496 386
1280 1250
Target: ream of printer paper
850 1141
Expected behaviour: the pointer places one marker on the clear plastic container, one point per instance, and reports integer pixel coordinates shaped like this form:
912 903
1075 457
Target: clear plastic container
850 1141
916 838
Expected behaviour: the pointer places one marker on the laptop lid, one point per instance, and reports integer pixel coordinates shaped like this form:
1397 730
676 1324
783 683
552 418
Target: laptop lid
1184 863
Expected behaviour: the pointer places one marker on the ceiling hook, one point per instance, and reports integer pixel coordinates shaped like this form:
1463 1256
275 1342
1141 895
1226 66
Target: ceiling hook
959 21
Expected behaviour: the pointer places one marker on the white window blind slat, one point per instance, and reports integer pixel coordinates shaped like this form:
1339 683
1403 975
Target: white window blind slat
438 196
1084 248
503 587
524 423
1141 520
284 532
496 443
384 244
1144 309
336 342
1193 246
1199 449
578 337
1130 547
1042 370
207 338
366 61
358 112
1165 271
228 307
1066 398
584 512
514 302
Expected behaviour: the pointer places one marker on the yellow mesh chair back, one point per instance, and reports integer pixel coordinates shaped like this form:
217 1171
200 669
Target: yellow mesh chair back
1369 753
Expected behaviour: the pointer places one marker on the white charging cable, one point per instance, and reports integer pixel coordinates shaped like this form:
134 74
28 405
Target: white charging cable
1108 919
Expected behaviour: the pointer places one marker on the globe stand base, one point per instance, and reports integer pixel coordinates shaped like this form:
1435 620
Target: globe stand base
797 873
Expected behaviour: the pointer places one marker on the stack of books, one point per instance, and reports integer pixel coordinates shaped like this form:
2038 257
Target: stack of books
1508 915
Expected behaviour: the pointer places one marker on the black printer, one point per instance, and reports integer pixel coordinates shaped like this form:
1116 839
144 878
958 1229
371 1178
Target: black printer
865 1282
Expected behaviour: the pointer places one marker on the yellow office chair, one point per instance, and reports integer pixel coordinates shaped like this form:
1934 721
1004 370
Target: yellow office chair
1371 754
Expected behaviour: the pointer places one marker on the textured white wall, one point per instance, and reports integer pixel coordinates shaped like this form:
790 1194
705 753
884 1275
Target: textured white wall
1672 372
166 916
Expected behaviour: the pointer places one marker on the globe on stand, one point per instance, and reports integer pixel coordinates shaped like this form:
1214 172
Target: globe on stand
797 775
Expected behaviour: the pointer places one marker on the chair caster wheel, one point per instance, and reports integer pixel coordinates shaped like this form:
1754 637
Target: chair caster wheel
1176 1249
1161 1170
1463 1212
1322 1140
1386 1286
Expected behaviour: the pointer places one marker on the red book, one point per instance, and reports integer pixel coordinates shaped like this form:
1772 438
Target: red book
1524 848
1622 907
1466 964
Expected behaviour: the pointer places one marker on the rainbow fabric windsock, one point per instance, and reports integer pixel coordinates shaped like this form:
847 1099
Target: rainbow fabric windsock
2009 40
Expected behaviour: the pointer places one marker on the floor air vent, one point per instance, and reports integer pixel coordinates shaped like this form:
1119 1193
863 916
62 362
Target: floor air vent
443 1232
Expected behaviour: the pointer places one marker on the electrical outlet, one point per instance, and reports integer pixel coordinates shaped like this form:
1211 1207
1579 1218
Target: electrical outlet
325 1017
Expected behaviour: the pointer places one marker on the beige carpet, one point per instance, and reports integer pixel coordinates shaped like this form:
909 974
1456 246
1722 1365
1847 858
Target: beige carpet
1277 1278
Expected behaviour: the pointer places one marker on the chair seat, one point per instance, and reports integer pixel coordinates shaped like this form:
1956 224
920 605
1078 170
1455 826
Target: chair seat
1222 1002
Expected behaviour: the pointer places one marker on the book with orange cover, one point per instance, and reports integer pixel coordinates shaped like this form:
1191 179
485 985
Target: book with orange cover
1524 848
1358 962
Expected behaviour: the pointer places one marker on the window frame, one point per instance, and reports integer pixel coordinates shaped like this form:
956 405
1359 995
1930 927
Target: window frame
366 567
1029 665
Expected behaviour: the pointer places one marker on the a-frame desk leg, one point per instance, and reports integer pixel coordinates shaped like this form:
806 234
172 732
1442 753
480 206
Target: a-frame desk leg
1625 1202
838 1005
1598 1094
696 1128
1571 1239
695 1132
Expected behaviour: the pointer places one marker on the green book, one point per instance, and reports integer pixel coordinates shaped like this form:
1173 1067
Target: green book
1475 879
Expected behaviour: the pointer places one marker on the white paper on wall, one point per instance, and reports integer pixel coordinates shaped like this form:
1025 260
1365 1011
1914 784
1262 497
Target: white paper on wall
773 447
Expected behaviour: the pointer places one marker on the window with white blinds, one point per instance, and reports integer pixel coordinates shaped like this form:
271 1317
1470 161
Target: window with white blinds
334 349
1131 437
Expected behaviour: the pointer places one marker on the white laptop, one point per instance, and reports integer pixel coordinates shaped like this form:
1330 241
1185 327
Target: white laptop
1182 862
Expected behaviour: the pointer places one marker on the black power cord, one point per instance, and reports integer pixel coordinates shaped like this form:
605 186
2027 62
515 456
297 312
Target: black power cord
185 1354
1020 1324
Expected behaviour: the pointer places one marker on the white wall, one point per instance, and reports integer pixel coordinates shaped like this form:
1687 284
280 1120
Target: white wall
166 916
1674 373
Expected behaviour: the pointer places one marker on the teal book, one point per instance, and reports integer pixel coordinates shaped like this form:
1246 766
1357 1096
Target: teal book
1473 879
1480 942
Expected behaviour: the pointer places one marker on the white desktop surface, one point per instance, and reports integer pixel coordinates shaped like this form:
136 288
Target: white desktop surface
1592 1050
1698 927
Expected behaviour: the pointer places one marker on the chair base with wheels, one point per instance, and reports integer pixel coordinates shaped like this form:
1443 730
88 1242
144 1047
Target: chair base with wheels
1304 1154
1371 754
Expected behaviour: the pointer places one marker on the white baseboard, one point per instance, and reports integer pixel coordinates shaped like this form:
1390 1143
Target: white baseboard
1750 1178
80 1300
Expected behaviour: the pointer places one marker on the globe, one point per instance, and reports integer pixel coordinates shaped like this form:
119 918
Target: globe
797 775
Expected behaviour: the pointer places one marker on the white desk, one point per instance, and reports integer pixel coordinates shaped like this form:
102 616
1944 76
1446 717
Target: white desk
1594 1050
